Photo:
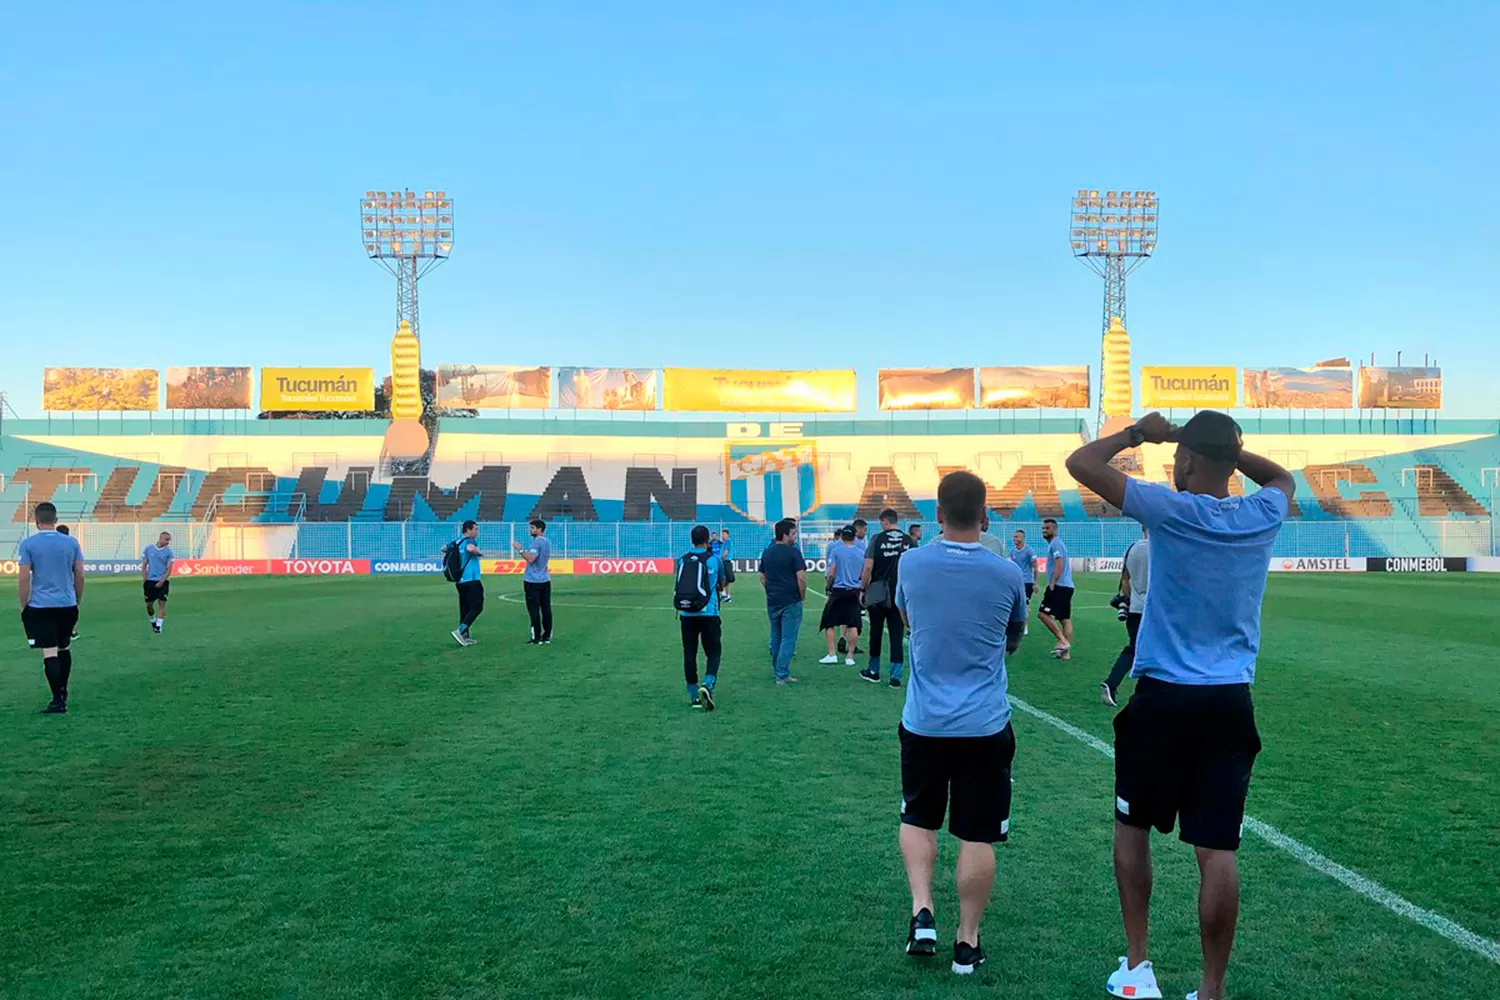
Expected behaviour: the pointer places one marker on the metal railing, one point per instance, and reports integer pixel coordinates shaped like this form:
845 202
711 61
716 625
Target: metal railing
407 541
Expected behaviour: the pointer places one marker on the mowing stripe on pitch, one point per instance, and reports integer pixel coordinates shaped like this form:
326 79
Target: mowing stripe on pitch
1435 922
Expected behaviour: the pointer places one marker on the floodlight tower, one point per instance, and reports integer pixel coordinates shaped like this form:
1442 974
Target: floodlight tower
407 234
1113 232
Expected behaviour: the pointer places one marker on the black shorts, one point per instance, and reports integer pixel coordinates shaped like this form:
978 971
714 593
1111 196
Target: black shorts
1184 752
156 590
727 575
1058 602
971 771
1030 589
49 627
841 610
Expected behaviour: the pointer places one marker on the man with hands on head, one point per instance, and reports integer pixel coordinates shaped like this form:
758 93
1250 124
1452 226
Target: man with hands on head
1186 741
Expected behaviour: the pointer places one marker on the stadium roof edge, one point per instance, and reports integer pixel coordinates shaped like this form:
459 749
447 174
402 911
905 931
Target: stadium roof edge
1010 422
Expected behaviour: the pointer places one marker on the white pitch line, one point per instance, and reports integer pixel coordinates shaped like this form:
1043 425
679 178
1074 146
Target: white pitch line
1435 922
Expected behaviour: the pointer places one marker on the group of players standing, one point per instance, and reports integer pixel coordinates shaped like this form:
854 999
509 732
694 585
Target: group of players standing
1185 744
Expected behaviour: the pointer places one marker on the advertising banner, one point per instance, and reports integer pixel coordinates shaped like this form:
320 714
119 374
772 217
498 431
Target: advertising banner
606 388
220 567
926 388
515 567
88 390
1196 387
755 391
208 389
332 389
1400 388
494 387
622 567
1298 388
10 567
1319 565
321 567
1417 564
414 566
1018 387
258 567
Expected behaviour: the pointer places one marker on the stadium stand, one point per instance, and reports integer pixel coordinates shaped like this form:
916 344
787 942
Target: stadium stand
631 488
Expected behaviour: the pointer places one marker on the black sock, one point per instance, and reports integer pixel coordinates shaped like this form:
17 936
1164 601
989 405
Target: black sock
53 670
65 661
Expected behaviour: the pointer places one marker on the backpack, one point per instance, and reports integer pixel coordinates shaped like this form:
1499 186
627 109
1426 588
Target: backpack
694 588
454 562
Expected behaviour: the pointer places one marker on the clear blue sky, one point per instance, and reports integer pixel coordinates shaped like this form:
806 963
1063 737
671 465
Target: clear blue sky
756 185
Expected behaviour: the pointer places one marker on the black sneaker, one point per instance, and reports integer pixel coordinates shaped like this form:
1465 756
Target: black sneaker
872 676
695 703
895 682
921 938
533 642
706 696
967 957
56 708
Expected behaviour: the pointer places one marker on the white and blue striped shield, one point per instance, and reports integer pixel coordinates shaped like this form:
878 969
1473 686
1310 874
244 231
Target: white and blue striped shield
769 480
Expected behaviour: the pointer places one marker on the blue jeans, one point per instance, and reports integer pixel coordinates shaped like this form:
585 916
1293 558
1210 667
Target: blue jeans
785 621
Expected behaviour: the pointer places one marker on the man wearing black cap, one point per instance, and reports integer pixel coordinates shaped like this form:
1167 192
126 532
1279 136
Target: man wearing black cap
1186 741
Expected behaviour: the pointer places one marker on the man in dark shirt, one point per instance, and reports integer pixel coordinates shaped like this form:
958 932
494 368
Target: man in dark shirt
879 585
783 574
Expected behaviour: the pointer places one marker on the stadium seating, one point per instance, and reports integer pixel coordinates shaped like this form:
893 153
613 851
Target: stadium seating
1359 491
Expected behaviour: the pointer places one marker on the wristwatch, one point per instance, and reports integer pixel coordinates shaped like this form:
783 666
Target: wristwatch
1137 436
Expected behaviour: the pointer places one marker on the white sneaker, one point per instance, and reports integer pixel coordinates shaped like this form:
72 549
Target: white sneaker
1193 995
848 661
458 637
1025 629
1106 695
1138 983
830 659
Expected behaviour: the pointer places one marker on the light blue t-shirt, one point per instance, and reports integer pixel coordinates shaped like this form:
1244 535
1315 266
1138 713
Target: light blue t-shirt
847 562
1025 560
863 545
157 561
536 570
711 609
470 560
1057 550
960 598
1206 582
50 556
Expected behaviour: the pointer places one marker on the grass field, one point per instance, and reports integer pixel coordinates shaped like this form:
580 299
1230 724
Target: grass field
304 789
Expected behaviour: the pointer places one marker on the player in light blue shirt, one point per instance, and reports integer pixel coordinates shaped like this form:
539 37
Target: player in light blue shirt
842 610
861 535
536 580
50 585
1186 741
723 552
1057 600
156 579
966 609
1024 556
